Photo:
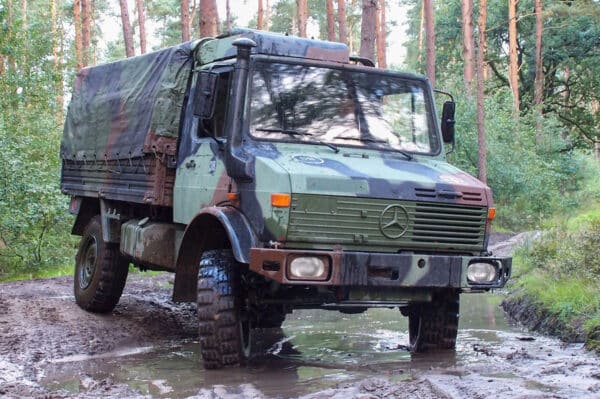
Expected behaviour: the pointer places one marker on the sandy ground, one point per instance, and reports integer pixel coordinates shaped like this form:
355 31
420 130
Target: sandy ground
40 325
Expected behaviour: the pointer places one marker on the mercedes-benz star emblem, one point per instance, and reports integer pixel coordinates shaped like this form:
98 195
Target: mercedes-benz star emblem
393 221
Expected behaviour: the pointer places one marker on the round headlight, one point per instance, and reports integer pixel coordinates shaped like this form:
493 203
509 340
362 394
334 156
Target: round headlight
311 267
482 273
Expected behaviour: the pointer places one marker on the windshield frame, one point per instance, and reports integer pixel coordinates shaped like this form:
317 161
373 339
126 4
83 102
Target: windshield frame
421 81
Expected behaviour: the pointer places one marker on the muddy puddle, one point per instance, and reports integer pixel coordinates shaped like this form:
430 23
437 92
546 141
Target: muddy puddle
317 350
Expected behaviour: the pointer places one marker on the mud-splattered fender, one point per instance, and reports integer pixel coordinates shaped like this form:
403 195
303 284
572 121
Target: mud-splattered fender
213 227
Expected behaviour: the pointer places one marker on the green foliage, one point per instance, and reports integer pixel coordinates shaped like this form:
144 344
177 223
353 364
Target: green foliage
531 181
34 227
562 272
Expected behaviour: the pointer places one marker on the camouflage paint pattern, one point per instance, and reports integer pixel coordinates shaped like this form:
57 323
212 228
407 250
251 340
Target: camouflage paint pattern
370 211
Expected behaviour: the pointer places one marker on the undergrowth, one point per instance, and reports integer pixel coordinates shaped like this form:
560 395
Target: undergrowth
561 272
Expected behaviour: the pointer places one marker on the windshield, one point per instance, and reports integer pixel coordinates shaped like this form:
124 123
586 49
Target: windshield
341 107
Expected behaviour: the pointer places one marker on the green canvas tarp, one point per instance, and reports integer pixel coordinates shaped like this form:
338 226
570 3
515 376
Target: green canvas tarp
121 109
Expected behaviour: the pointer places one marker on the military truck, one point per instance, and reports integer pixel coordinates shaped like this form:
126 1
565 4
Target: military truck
272 173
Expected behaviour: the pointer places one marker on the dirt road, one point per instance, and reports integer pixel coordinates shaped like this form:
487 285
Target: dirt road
146 348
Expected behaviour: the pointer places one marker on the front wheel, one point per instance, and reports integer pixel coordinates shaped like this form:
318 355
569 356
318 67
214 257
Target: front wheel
434 325
223 320
100 271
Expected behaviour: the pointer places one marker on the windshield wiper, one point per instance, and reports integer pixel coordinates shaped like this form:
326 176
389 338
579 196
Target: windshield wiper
291 132
408 156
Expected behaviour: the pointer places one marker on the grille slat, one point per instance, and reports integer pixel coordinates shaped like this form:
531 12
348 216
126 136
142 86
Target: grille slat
356 221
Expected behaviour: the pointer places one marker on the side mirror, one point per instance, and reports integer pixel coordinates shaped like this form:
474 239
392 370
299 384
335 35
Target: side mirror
448 121
205 95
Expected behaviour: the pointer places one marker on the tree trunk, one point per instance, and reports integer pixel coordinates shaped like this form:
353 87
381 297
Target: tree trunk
127 35
185 20
468 45
57 61
78 38
302 17
420 38
330 21
482 158
86 29
259 17
209 18
538 95
342 21
142 24
228 16
381 35
513 70
367 29
429 41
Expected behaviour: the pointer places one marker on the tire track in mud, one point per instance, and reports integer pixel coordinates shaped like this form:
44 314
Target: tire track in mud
41 327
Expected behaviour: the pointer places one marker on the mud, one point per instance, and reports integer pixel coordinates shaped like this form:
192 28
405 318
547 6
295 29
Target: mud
147 348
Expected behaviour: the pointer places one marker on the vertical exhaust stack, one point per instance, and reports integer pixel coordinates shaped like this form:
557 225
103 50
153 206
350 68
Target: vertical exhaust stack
237 161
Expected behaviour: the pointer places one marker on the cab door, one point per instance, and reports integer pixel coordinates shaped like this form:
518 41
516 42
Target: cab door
201 178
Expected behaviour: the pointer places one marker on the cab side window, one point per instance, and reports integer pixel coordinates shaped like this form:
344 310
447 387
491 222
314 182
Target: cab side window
215 126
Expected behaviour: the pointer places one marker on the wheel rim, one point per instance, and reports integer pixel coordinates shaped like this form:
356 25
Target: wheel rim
88 265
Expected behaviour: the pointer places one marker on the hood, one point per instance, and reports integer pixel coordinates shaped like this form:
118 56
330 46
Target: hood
375 174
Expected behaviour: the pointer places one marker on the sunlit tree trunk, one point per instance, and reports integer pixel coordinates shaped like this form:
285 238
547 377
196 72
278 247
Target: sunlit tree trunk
302 17
468 45
185 20
86 29
260 16
538 95
58 88
420 37
381 35
78 38
513 70
330 21
209 18
142 25
430 41
481 50
127 35
342 21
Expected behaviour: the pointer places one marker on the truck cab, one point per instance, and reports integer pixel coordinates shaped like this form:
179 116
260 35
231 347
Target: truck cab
289 175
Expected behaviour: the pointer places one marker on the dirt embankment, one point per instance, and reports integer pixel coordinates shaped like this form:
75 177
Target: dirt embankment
530 313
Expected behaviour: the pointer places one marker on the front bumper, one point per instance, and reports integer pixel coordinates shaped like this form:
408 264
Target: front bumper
364 269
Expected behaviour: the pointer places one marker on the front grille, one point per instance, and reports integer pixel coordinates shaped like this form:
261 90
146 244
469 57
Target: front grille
356 223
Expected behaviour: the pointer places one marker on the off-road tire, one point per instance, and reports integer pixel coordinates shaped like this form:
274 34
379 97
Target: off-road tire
223 329
433 326
100 271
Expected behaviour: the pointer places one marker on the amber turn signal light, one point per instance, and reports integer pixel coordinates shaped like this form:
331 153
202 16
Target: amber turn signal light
491 213
233 196
281 200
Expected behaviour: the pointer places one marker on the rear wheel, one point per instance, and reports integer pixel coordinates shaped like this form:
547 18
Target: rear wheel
223 320
100 271
434 325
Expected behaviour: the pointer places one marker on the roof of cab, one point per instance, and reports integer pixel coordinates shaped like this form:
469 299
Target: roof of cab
269 43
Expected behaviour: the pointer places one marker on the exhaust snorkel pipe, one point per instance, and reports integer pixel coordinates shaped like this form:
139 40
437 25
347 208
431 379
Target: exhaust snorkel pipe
237 161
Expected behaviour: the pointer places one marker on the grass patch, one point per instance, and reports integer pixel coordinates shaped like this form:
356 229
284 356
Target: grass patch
561 272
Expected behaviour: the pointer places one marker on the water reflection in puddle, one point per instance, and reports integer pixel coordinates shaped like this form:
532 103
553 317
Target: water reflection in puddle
317 350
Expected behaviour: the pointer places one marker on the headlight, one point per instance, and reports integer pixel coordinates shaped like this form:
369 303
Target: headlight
309 268
482 273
